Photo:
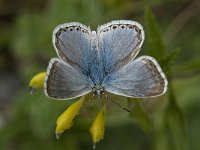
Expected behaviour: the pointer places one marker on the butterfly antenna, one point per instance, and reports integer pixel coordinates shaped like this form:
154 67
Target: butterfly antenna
84 105
114 102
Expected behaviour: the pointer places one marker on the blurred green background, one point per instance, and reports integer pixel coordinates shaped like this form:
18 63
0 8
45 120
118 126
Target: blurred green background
170 122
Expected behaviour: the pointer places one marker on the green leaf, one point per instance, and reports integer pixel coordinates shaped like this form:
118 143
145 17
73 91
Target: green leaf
168 60
188 68
155 44
139 115
175 124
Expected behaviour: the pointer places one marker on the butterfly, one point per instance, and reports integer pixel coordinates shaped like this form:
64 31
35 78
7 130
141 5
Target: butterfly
102 60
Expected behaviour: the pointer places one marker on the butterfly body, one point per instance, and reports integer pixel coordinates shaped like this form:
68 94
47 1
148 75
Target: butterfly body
102 61
96 70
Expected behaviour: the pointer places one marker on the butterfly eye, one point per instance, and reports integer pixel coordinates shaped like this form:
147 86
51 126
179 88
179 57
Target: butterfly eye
101 92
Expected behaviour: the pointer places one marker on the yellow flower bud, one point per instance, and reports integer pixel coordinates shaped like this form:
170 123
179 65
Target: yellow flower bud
97 129
37 81
65 120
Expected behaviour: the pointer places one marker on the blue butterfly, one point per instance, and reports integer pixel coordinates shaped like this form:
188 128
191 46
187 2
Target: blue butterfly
91 61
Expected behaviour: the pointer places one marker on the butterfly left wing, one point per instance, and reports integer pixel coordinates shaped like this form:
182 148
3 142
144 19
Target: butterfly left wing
141 78
72 43
64 82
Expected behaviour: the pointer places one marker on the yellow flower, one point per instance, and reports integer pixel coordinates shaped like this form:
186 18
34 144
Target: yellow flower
97 129
37 81
65 120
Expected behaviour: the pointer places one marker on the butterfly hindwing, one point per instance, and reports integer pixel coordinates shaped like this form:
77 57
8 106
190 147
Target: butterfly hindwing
64 82
142 77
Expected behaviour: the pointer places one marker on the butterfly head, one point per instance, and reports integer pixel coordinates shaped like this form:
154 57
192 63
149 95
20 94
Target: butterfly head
98 90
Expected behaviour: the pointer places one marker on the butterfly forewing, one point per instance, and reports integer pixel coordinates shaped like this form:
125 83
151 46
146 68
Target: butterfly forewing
72 43
119 42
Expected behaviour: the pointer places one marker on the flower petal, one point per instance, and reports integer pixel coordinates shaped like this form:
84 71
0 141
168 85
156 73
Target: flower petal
37 81
97 128
65 120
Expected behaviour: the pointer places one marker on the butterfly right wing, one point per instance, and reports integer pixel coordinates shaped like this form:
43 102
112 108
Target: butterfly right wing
64 82
140 78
